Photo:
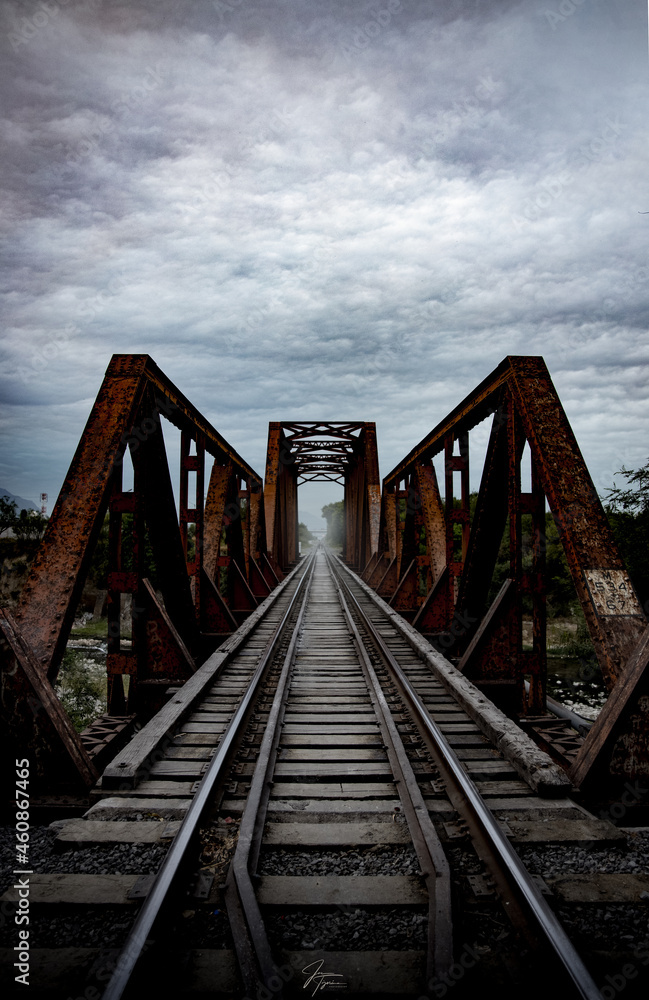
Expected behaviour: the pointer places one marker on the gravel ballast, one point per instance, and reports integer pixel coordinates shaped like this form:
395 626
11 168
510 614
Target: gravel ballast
554 859
380 860
349 930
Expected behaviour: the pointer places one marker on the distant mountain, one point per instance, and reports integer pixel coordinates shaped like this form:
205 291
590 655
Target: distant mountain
313 521
20 502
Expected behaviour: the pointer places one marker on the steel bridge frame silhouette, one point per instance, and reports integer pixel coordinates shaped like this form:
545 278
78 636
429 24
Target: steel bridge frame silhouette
190 574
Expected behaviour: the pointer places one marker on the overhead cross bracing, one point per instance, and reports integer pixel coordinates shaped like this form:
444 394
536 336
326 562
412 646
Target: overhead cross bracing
322 451
322 460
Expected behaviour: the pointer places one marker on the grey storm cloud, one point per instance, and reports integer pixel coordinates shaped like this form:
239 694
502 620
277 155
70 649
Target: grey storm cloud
322 210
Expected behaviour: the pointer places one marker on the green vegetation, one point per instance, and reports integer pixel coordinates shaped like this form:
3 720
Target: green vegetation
91 630
575 644
81 687
25 525
561 596
334 515
98 571
8 513
22 531
628 513
306 537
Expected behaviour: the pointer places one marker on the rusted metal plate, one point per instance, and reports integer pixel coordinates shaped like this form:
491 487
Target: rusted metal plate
611 592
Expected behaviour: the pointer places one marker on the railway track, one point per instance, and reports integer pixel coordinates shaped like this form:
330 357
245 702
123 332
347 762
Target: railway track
340 809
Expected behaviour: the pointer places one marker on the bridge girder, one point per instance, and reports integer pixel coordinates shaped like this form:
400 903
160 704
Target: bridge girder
421 547
322 451
436 559
209 557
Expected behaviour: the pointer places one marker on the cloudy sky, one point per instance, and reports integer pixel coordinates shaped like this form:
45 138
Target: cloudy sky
323 210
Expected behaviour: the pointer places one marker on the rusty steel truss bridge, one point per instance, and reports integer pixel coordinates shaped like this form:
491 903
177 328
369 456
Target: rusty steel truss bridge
232 538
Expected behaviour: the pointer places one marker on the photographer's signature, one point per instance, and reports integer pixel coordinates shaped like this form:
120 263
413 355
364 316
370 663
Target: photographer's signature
322 980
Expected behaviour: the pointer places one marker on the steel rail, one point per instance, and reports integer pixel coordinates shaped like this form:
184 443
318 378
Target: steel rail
168 872
482 819
248 929
430 853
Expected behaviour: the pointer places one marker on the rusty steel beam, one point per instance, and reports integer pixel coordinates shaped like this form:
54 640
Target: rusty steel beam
343 429
162 657
225 529
362 499
215 513
257 526
297 454
617 744
489 520
271 484
127 419
474 408
432 510
388 526
217 615
489 641
372 482
159 512
186 416
424 524
612 610
292 520
33 720
280 499
53 589
352 515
